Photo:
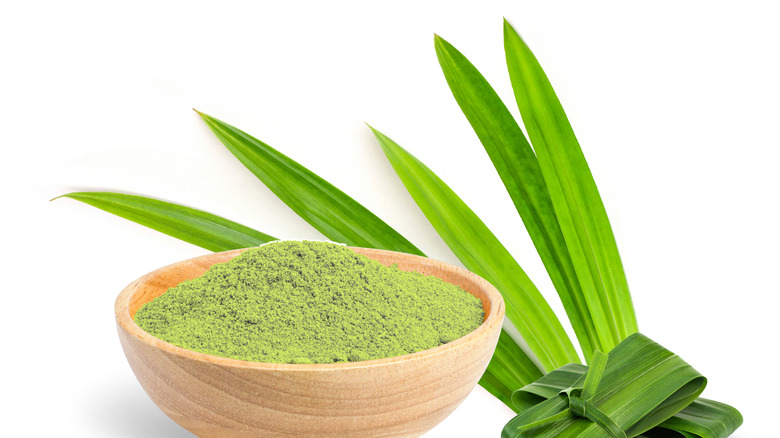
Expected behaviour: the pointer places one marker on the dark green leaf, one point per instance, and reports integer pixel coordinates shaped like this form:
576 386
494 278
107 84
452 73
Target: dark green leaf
518 168
643 385
703 418
326 208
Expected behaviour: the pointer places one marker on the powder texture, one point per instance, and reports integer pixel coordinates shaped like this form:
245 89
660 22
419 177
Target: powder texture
310 302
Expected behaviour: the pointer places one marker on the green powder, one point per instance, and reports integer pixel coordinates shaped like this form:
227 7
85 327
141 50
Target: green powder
310 302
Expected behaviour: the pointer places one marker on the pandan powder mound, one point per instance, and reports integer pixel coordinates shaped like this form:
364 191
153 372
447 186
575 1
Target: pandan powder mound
310 302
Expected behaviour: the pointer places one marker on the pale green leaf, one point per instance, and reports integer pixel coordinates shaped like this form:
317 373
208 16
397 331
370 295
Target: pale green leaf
481 252
188 224
578 206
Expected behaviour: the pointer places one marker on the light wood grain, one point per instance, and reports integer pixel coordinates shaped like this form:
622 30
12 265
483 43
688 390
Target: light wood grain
402 396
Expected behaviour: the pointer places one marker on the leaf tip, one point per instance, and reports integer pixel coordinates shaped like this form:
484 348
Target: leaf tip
508 29
203 116
78 196
439 42
381 138
511 34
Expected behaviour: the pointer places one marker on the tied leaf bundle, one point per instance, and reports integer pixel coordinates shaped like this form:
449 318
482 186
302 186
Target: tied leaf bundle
555 194
639 389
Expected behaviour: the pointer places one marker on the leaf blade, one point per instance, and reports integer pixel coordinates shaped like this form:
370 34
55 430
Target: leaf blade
516 164
481 252
706 419
322 205
573 190
184 223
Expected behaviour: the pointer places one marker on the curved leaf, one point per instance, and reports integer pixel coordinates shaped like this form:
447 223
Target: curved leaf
701 419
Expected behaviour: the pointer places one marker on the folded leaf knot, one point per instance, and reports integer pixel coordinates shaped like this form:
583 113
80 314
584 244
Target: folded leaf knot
579 404
583 408
643 387
579 400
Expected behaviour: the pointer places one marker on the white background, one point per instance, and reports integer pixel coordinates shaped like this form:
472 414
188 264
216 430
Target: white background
675 105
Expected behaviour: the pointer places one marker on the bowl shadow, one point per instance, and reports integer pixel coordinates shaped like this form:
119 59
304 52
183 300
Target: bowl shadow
125 411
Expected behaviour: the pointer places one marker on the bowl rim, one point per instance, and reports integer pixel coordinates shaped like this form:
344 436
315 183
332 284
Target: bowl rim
493 318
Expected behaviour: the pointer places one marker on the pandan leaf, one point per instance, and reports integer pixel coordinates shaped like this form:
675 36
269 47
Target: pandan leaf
640 386
510 369
188 224
481 252
578 206
518 168
701 419
326 208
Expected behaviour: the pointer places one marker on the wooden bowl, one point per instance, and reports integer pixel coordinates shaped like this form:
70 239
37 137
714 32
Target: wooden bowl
401 396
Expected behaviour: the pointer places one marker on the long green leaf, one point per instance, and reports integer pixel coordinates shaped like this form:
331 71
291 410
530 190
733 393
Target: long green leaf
481 252
576 199
518 168
643 385
326 208
188 224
